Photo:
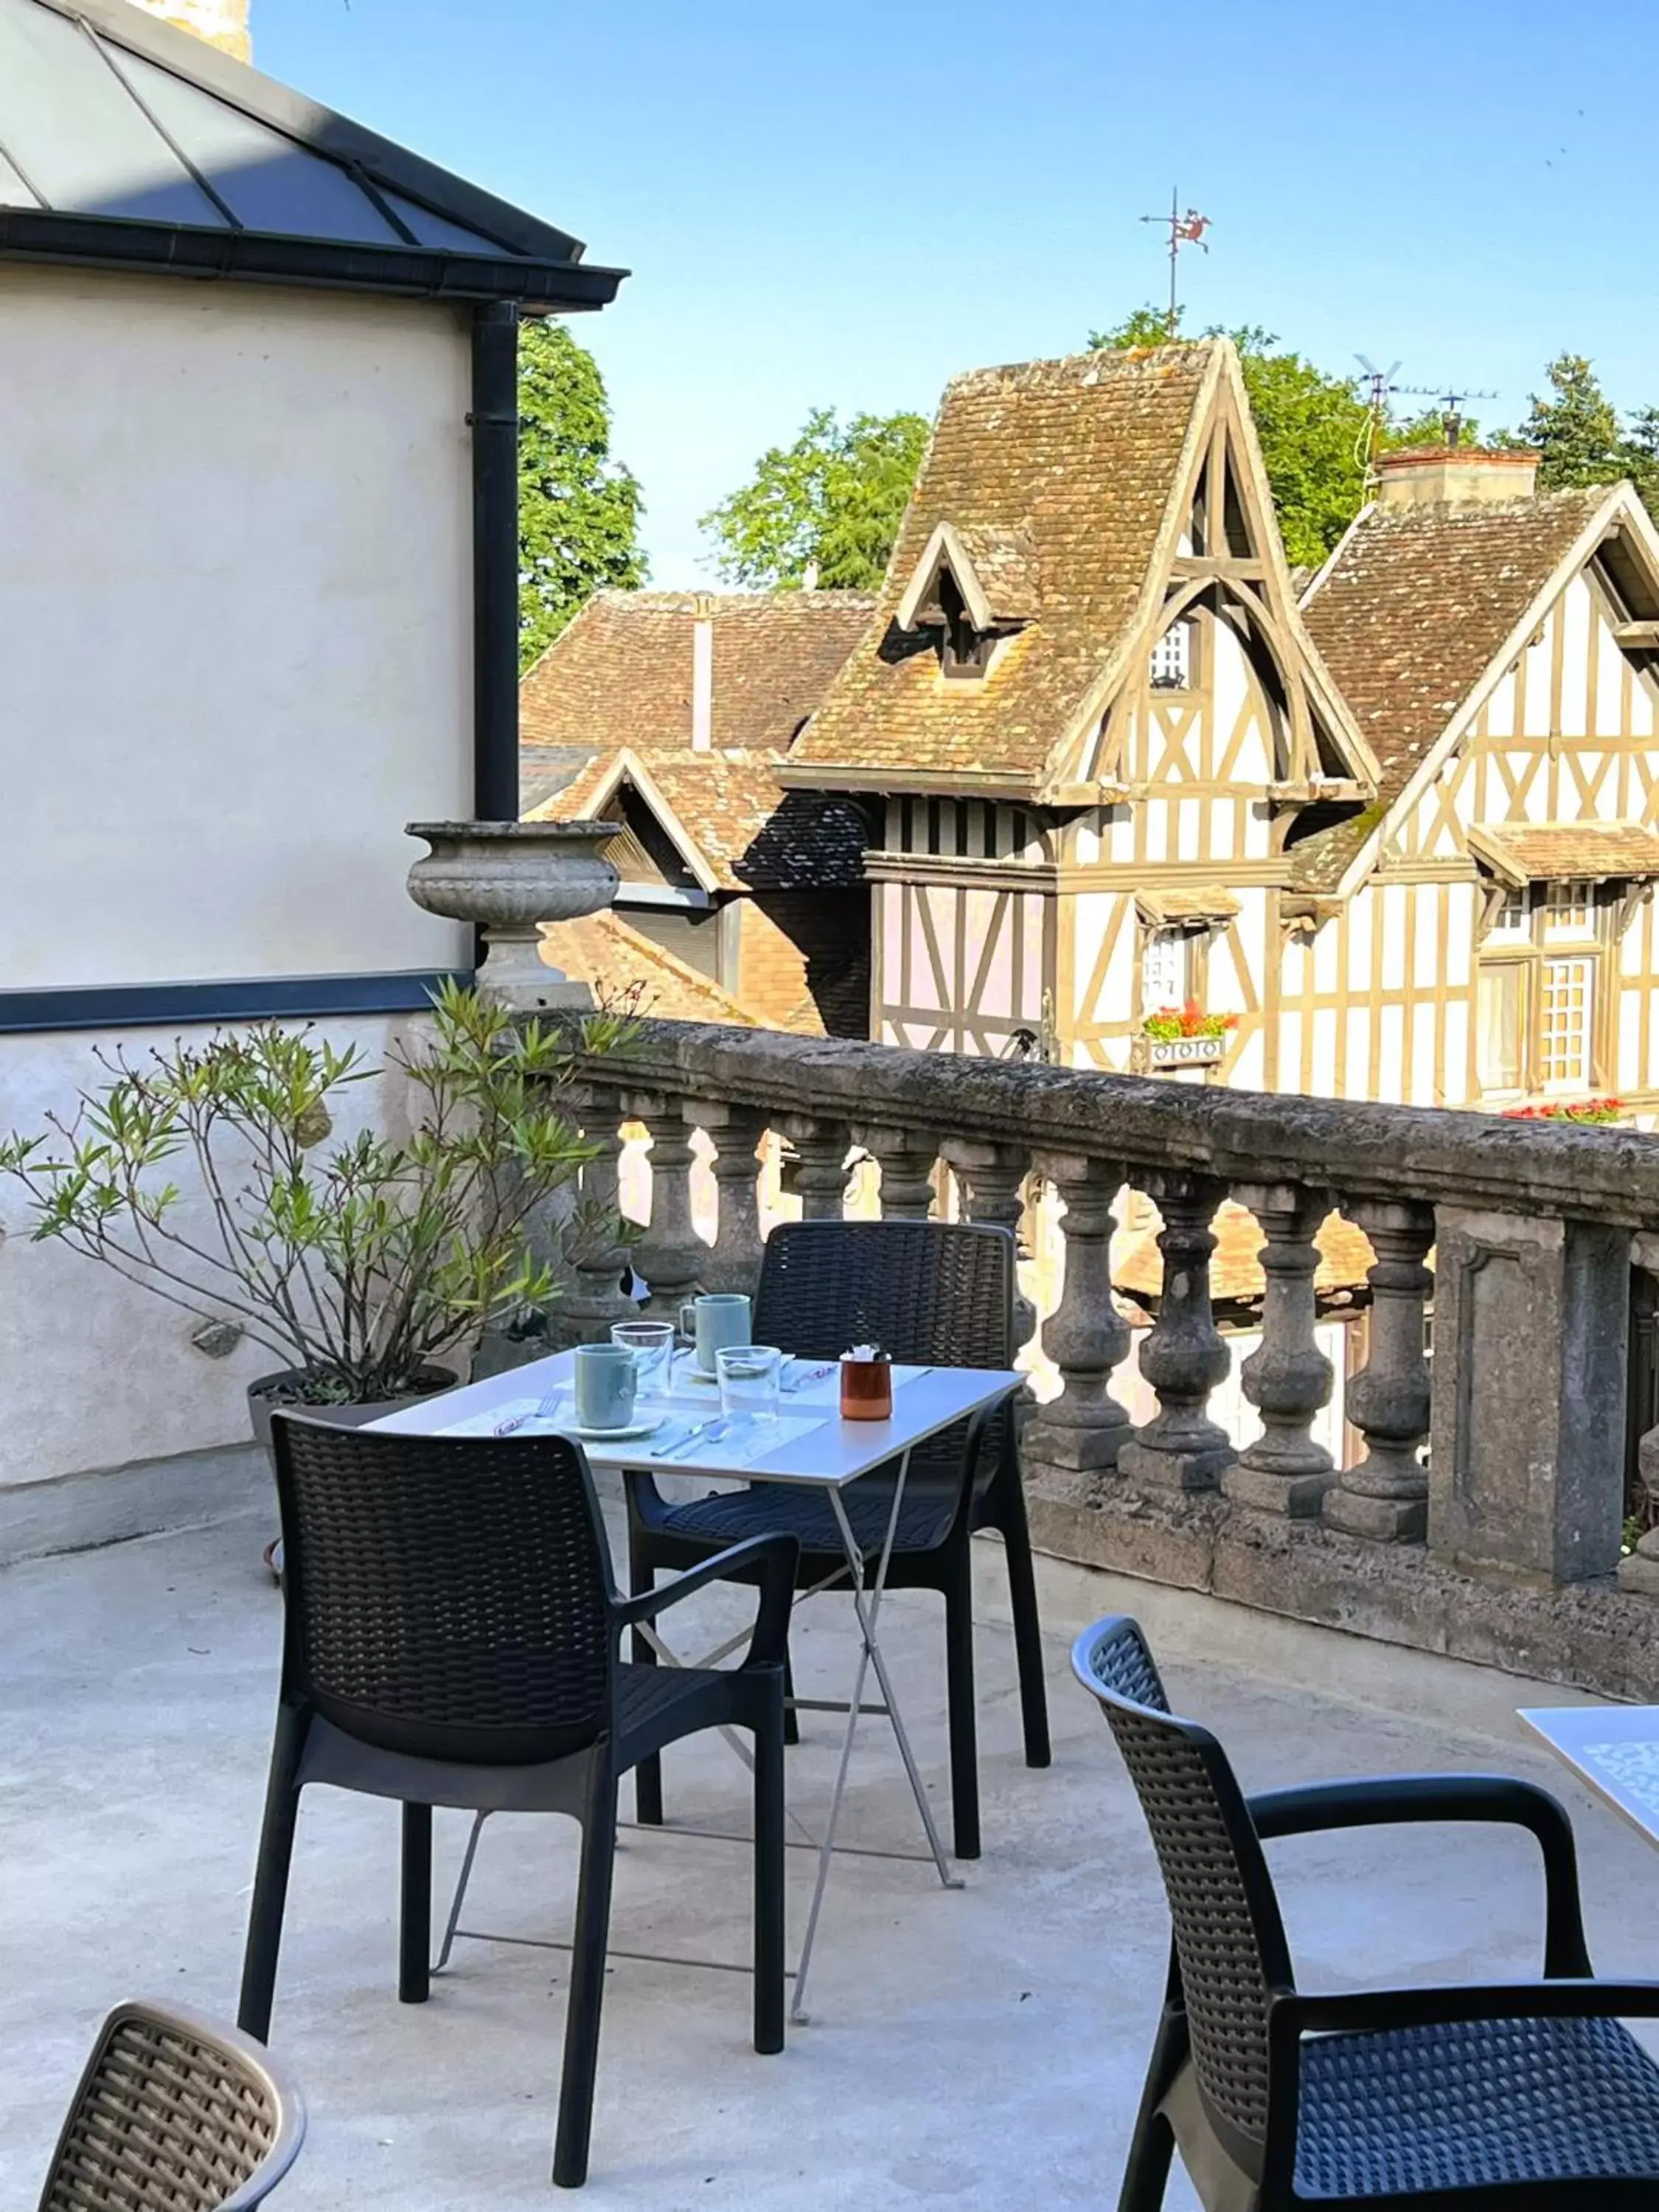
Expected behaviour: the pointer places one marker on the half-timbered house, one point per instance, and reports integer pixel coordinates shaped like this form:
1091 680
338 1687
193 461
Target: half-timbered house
1089 715
1483 932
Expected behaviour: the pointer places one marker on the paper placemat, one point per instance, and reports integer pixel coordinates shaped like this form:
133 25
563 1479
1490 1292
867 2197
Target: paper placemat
746 1438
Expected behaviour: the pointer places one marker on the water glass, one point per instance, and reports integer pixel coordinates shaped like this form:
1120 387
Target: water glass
652 1345
750 1375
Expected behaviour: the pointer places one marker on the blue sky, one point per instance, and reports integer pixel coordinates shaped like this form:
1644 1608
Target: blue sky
846 205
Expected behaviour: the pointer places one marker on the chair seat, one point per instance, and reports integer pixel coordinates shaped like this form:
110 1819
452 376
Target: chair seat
781 1508
1473 2105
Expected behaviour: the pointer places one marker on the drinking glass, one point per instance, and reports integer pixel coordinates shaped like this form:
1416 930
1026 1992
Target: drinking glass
651 1343
748 1374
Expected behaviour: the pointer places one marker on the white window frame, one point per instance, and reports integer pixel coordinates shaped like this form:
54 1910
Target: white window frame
1170 668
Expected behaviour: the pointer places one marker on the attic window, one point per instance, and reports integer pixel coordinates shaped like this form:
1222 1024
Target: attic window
963 650
1172 659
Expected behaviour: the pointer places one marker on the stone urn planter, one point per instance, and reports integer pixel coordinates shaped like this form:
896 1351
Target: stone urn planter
509 878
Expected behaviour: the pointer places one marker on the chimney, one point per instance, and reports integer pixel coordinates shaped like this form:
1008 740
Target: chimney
1456 477
703 678
222 23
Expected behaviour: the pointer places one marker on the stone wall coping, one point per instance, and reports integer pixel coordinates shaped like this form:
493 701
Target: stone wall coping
1442 1155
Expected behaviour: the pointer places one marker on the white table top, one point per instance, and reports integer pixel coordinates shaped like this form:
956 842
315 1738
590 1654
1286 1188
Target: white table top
1614 1748
810 1443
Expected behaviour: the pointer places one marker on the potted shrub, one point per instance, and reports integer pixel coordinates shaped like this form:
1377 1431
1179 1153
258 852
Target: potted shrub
1183 1036
363 1266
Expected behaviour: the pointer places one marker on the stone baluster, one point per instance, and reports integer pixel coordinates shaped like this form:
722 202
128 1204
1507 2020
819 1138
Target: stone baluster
1083 1430
598 1259
734 1263
992 1181
1183 1356
1386 1496
671 1255
1288 1378
906 1158
817 1173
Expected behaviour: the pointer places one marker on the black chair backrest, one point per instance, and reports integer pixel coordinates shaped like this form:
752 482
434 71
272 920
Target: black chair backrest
447 1597
931 1293
173 2111
1229 1941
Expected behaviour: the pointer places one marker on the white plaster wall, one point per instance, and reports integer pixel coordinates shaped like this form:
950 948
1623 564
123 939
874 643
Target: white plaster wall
94 1372
235 625
235 621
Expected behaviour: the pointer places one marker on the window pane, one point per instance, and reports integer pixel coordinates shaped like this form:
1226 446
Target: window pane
1564 1039
1163 970
1172 659
1570 910
1513 916
1499 1046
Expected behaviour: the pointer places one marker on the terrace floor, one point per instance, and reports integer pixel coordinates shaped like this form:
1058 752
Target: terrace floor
983 2048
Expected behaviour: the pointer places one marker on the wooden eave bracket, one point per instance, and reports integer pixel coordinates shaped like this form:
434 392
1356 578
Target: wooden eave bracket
1304 914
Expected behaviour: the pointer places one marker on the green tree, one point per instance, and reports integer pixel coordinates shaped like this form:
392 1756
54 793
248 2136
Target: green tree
1639 456
1576 429
1312 429
832 502
579 510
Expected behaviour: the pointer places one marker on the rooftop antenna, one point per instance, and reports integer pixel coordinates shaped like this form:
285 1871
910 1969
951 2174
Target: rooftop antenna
1382 383
1187 229
1451 405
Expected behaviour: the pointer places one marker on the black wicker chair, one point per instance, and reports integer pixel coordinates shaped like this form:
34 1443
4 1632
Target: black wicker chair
1491 2096
175 2111
933 1294
453 1637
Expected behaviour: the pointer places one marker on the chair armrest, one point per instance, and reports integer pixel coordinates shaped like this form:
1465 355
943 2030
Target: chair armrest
776 1557
1296 2014
1497 1798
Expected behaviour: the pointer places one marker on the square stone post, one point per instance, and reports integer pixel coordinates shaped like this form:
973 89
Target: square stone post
1527 1433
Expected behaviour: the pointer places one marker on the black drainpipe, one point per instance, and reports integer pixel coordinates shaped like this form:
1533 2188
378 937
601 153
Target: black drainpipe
495 421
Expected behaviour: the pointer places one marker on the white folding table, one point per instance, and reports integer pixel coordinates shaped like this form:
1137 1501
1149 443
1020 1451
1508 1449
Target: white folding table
1613 1749
808 1445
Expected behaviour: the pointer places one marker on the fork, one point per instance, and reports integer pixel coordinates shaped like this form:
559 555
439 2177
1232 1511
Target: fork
544 1412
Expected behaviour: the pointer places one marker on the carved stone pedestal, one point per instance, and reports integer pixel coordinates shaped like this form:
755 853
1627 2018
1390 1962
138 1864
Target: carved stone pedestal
1083 1429
1386 1496
1183 1356
1288 1379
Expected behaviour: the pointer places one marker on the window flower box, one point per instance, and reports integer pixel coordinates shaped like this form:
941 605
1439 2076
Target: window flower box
1182 1036
1567 1109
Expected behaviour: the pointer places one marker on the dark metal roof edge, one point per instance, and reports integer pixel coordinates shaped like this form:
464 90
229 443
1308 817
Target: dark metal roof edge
117 242
321 129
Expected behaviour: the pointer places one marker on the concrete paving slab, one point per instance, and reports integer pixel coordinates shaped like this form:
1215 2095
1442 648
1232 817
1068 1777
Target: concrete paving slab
983 2047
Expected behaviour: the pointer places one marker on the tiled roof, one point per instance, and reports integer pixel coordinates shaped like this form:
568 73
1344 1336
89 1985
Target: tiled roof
619 678
1553 852
1076 459
1408 618
619 961
1345 1258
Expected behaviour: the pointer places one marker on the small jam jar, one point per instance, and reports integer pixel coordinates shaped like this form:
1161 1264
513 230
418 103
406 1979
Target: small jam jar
866 1390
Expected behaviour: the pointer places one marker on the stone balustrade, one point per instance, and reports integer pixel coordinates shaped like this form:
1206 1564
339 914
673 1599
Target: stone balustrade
1481 1483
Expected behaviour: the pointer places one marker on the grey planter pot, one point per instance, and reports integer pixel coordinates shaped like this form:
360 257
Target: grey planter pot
270 1392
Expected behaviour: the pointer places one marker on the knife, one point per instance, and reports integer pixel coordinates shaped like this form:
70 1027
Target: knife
713 1428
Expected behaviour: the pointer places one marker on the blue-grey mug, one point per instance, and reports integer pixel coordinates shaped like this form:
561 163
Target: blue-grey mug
712 1321
605 1383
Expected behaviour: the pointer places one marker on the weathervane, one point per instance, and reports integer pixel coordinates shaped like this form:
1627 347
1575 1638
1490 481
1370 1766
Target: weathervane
1451 405
1187 229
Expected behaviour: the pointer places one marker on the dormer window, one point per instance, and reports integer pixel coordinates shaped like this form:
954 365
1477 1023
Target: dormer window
1172 659
963 650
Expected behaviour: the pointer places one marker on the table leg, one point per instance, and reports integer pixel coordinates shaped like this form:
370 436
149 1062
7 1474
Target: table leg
870 1654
